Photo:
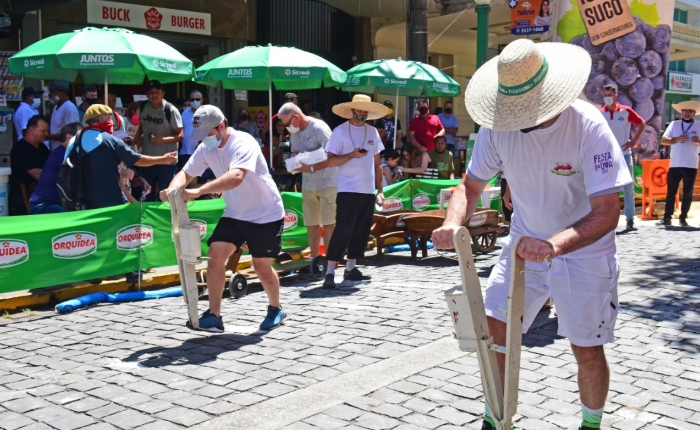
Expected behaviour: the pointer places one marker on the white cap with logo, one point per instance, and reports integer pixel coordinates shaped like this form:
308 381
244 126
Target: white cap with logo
205 119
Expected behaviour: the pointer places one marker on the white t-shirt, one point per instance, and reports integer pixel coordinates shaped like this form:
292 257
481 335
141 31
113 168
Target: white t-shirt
256 199
21 117
357 175
188 146
65 114
684 154
552 172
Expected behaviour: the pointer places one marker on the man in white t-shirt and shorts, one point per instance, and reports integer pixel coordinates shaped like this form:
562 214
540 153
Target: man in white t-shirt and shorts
253 215
683 136
566 170
318 191
354 148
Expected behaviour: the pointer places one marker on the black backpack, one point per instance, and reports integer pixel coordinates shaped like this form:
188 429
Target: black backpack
166 108
75 178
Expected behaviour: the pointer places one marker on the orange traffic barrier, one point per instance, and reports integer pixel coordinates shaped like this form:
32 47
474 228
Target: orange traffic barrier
654 185
322 246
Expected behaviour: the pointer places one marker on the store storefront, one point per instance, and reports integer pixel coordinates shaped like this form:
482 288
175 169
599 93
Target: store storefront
680 87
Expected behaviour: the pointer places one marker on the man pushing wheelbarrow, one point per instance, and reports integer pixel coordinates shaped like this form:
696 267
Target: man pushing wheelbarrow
565 170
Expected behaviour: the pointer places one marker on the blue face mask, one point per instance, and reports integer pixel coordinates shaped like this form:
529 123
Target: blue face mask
211 141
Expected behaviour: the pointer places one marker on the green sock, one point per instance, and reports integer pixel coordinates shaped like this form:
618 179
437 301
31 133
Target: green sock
591 418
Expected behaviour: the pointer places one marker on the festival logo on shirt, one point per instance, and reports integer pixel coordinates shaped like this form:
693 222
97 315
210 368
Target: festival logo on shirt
603 162
564 169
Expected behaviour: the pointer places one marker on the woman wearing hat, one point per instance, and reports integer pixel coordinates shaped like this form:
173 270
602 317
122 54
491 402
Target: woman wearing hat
683 138
354 147
565 170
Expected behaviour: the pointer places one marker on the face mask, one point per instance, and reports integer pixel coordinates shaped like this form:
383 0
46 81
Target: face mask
608 100
390 111
448 111
54 100
104 126
291 128
687 121
360 119
423 110
36 103
527 130
92 101
244 117
195 104
211 141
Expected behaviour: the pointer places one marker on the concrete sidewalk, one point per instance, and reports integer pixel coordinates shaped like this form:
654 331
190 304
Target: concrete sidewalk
376 355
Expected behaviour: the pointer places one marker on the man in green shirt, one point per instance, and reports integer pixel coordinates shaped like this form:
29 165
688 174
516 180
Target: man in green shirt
441 159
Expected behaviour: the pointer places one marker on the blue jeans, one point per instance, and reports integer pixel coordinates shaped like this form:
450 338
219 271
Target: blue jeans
43 208
158 177
629 190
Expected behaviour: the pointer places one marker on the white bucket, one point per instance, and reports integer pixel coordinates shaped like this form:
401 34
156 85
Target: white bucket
4 201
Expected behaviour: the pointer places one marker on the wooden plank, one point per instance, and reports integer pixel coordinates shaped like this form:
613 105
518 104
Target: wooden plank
514 330
188 274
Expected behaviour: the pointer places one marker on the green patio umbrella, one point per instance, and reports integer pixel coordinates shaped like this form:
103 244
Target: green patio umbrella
256 68
102 56
406 78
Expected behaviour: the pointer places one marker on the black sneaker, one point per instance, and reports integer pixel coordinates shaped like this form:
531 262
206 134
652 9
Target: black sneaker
329 282
355 275
487 426
683 223
630 225
664 222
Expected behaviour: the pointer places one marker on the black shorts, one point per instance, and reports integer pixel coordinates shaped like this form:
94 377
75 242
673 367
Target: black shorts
264 240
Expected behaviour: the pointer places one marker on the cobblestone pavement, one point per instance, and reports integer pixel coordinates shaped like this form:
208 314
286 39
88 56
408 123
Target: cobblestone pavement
135 365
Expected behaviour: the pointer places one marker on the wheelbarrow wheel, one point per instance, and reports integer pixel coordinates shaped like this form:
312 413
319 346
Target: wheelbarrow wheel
237 286
484 243
318 266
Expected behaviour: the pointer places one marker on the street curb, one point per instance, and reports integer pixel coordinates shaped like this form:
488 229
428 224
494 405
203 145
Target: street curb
51 296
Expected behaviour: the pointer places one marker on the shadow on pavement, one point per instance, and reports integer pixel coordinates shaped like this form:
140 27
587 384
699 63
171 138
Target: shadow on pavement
194 351
339 291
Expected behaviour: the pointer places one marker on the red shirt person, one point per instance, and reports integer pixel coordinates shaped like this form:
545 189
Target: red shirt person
424 127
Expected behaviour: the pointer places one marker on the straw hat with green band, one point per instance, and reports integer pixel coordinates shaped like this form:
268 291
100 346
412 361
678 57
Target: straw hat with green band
527 84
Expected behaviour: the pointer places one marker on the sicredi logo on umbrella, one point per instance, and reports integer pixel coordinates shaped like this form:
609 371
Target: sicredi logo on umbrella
13 252
34 63
295 72
164 64
243 73
97 60
75 244
394 81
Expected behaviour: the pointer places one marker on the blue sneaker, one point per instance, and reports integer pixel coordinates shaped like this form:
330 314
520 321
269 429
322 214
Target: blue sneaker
275 317
209 322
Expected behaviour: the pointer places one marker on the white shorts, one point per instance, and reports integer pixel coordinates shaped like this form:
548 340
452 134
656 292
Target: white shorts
584 293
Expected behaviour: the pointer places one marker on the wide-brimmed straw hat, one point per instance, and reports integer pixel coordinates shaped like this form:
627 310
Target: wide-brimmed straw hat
695 106
361 102
527 85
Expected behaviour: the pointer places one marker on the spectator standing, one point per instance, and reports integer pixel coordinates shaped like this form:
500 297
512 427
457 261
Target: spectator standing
119 122
106 152
451 125
621 118
254 213
28 157
188 146
441 159
424 127
88 94
159 132
385 125
64 111
45 199
354 148
28 107
683 137
319 190
246 123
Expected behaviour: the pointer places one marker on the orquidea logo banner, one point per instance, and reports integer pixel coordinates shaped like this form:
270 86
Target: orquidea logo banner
13 252
75 244
134 237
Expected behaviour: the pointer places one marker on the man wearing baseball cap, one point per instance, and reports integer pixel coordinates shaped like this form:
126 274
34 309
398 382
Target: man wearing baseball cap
565 169
253 215
106 152
64 111
28 107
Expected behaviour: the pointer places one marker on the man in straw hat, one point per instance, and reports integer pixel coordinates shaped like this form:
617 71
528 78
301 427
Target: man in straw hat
565 170
354 148
683 138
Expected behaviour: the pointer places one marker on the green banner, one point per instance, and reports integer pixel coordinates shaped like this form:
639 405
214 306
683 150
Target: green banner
46 250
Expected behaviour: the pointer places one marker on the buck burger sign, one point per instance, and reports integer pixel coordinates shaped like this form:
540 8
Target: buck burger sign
148 17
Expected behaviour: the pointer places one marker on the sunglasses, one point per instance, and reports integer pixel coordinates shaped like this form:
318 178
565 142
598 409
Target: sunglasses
289 123
196 100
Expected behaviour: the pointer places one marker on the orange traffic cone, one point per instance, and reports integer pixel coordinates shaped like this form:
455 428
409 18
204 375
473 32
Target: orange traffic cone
322 247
